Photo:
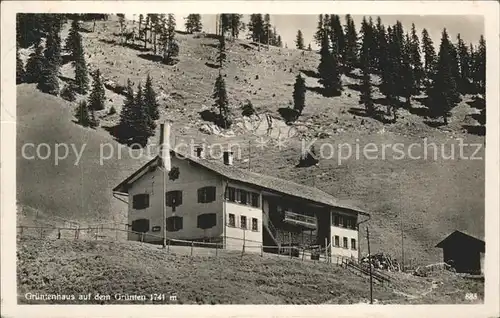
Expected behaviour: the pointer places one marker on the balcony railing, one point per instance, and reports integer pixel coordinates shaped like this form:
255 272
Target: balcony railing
305 220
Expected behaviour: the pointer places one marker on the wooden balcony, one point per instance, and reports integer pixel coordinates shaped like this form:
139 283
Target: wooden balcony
300 219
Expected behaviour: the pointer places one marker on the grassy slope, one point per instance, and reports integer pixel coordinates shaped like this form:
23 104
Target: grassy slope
78 267
436 197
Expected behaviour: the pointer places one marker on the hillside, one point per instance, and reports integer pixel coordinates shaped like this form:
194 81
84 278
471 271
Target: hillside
69 267
434 196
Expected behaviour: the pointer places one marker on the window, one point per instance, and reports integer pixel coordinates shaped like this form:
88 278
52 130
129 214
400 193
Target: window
140 225
174 223
173 199
349 224
337 240
345 242
206 194
231 221
353 244
156 228
140 201
241 196
255 224
336 220
243 222
255 200
207 220
231 194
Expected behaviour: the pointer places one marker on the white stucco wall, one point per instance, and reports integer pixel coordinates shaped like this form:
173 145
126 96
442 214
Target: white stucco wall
339 252
235 236
191 178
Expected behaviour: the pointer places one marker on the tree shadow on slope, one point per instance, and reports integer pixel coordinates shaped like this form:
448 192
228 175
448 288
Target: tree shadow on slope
310 73
246 46
355 87
475 129
377 114
212 65
321 91
288 114
150 57
477 102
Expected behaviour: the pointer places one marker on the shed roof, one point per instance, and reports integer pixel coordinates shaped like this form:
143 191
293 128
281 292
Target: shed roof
260 180
459 237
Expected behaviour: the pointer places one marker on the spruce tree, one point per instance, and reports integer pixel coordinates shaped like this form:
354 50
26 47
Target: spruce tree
480 66
49 79
97 96
299 40
168 41
221 102
150 99
193 23
125 131
368 42
337 36
351 45
415 58
82 114
389 75
380 46
429 54
34 65
20 72
236 25
366 86
328 70
121 21
443 94
141 21
318 36
221 56
464 64
299 94
81 71
309 48
256 28
68 92
74 40
144 125
409 85
267 27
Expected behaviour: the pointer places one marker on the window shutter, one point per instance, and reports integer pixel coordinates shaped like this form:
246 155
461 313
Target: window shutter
200 195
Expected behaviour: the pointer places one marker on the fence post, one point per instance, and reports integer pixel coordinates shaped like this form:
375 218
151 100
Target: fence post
261 250
192 244
41 232
303 253
216 249
326 249
142 237
290 239
168 246
243 250
58 233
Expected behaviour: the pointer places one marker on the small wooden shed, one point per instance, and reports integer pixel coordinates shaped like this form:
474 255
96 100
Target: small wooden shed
463 252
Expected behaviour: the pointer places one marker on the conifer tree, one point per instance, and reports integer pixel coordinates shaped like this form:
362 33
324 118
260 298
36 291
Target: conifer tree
193 23
236 25
415 58
309 48
443 93
221 56
256 28
429 54
97 98
267 28
279 43
480 66
299 40
299 94
74 39
20 72
328 70
318 36
125 131
366 87
121 21
49 81
168 41
389 75
82 114
81 71
144 125
141 21
34 65
150 99
351 45
380 46
337 36
464 62
409 86
368 42
221 102
68 92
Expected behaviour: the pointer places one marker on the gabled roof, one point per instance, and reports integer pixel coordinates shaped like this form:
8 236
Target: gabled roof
256 179
465 240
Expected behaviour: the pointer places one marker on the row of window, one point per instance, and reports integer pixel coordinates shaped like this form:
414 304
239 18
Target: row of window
205 195
174 198
345 240
344 221
175 223
243 222
242 197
